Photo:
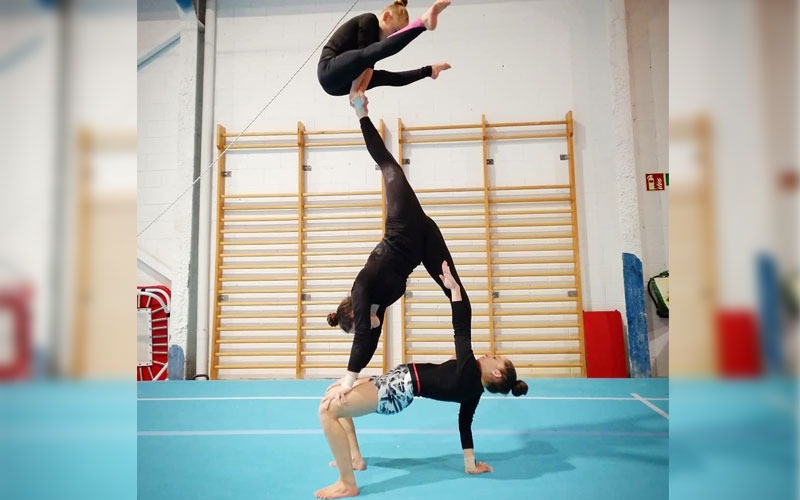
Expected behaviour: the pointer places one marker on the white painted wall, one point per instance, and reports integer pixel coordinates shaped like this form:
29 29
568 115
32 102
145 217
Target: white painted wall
648 62
158 113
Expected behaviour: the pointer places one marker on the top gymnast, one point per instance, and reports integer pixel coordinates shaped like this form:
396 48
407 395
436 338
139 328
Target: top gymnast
347 61
410 237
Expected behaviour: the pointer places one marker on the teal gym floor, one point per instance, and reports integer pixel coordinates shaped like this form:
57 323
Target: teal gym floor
567 439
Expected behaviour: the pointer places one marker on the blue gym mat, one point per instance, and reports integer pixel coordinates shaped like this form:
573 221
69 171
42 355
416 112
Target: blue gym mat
567 439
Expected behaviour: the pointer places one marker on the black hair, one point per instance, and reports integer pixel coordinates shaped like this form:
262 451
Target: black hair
343 315
508 382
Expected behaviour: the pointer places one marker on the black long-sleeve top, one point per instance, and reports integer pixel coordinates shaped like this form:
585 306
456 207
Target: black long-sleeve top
378 284
356 33
457 380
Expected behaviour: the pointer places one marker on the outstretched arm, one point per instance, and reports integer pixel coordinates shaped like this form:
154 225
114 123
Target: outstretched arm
365 342
461 322
465 414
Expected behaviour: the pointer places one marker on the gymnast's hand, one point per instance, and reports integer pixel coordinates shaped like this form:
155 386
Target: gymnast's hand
337 393
360 102
447 277
480 468
338 382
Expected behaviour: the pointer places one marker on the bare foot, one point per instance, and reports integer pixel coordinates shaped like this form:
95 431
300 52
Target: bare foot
337 490
431 17
437 68
358 464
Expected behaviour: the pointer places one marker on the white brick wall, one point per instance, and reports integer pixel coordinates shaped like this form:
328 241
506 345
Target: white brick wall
157 82
648 56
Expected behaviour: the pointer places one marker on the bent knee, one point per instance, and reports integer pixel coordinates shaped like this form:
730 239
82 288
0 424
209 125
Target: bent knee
328 410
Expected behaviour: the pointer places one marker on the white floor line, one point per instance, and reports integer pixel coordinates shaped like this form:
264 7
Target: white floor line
231 398
651 405
509 398
496 432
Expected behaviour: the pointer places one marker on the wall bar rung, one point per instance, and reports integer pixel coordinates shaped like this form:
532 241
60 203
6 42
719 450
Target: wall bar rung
443 300
256 195
341 216
540 286
229 220
260 134
275 145
257 328
500 338
259 340
324 265
244 242
253 367
356 204
275 206
256 316
526 300
255 353
288 265
286 253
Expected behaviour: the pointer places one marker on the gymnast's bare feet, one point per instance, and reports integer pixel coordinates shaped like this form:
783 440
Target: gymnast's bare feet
431 17
438 68
337 490
358 464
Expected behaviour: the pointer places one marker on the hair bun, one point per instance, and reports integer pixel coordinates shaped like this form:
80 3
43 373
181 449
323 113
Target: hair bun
333 319
520 388
404 3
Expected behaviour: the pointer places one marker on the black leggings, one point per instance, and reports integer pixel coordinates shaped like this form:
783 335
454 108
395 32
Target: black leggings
404 209
336 74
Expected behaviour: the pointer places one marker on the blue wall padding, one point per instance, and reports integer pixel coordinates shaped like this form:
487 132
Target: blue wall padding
175 363
769 312
185 4
638 345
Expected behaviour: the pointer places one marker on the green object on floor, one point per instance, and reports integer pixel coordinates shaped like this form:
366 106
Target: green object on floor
658 288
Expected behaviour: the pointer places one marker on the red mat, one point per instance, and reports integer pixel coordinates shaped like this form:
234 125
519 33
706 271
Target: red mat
605 345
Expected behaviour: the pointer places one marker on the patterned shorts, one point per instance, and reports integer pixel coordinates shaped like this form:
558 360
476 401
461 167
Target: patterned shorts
395 390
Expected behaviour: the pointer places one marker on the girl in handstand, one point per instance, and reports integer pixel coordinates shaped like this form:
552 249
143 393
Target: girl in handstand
411 238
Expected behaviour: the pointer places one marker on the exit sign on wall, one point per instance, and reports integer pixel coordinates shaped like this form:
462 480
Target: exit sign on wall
655 182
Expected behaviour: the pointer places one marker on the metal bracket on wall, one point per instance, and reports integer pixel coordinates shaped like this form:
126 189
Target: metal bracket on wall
495 295
572 293
564 157
306 168
226 173
490 161
408 295
304 296
222 298
406 161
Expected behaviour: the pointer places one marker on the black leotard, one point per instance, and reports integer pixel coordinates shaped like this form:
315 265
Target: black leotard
411 237
356 46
